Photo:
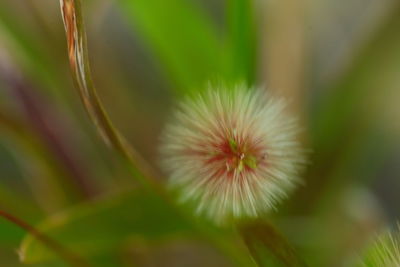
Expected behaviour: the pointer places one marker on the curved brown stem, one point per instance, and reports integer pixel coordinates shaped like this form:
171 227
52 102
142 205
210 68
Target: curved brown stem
79 62
64 253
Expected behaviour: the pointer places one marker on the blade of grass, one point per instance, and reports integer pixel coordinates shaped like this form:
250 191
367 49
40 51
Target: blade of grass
183 39
44 125
79 61
242 38
47 190
61 251
28 51
97 228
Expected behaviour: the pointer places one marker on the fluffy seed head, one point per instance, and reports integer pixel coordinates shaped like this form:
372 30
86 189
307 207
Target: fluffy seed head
384 252
231 153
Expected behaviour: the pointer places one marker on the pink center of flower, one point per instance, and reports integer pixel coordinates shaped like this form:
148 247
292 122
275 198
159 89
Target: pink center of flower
232 155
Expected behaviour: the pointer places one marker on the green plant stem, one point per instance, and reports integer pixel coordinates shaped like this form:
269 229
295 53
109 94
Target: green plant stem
267 245
79 61
65 254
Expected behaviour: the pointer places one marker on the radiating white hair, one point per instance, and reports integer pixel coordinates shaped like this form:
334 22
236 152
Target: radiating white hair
232 152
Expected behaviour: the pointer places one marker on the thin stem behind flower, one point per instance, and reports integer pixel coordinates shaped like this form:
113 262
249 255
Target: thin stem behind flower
268 246
64 253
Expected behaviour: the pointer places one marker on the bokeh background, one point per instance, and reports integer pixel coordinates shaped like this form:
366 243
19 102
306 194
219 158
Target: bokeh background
337 60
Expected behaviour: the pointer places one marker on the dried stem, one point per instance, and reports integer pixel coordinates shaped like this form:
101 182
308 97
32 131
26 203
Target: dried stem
65 254
79 62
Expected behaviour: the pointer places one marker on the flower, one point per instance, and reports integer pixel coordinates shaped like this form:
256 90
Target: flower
231 152
384 252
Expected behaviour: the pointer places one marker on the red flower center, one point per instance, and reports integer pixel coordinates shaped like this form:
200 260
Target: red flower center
236 155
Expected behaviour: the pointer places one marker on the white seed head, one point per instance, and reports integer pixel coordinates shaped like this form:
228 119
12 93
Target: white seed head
232 153
384 252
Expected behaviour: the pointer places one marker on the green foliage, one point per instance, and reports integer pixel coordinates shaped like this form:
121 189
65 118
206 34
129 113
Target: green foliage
95 228
27 48
181 37
242 41
353 119
189 45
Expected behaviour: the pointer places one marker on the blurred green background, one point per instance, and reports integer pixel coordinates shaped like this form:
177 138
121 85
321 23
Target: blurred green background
337 60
